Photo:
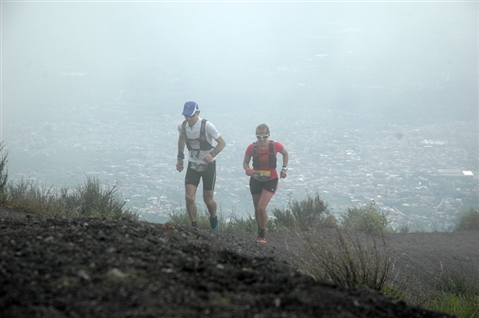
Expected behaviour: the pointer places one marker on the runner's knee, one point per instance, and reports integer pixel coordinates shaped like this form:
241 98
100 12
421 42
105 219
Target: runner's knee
190 199
262 209
209 201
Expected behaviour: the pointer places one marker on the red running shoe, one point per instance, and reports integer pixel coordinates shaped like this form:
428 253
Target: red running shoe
261 239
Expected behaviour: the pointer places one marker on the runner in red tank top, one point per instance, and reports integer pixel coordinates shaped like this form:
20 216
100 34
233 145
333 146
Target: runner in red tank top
263 176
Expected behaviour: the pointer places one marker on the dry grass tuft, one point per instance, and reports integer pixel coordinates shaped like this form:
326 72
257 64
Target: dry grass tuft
349 258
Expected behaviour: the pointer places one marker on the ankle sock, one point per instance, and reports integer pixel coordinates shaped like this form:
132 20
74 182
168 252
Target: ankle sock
261 232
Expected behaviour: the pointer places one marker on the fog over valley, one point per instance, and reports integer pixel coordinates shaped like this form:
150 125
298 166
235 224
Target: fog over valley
373 100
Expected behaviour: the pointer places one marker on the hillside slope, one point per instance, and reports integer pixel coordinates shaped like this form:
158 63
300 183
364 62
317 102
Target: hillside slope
105 268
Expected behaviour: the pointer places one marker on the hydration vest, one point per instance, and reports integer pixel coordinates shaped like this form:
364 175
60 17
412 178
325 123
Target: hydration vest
271 156
204 144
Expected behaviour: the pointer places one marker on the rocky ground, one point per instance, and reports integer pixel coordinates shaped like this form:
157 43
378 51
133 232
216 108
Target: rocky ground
104 268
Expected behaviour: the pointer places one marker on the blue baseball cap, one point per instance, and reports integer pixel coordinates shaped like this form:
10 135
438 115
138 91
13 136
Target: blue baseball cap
190 108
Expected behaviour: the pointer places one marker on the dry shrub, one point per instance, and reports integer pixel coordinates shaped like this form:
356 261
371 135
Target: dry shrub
348 258
3 173
468 220
304 215
368 219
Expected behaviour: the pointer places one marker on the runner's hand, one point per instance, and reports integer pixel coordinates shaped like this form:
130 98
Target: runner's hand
283 174
179 165
208 158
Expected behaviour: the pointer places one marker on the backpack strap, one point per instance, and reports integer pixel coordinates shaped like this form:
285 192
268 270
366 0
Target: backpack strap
183 133
271 147
204 144
271 157
255 156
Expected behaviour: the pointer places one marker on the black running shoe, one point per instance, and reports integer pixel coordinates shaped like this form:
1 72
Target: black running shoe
214 223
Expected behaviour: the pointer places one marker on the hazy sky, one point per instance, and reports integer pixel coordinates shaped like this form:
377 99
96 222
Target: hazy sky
241 55
66 65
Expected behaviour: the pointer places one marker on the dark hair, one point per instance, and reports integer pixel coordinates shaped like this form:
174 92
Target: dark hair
261 128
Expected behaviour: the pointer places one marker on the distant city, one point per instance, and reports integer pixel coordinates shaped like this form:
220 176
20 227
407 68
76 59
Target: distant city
420 175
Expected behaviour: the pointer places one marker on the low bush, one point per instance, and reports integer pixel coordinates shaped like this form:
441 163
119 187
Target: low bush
454 305
301 215
468 220
284 219
233 224
28 196
348 258
237 223
459 285
403 228
368 219
91 199
181 216
304 215
458 295
3 173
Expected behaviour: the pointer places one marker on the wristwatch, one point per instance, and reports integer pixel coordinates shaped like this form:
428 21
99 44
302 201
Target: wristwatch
285 168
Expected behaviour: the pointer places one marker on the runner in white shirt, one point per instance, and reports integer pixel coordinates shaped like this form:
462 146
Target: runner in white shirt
201 160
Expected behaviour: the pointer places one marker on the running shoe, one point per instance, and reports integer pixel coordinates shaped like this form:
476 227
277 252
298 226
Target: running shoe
214 223
261 239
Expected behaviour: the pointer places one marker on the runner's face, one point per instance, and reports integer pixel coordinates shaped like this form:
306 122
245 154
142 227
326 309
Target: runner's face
262 136
191 120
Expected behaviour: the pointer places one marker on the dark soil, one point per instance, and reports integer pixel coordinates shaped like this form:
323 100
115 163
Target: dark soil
104 268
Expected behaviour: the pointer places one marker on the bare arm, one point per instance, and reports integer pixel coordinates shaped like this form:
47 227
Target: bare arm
246 167
219 146
181 144
285 154
181 148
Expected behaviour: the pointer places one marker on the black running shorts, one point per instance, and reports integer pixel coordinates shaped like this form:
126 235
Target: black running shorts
256 187
209 176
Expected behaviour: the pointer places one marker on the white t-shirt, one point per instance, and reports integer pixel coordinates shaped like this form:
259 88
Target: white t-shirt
193 134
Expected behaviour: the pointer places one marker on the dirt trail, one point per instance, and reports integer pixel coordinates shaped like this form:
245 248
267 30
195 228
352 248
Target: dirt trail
105 268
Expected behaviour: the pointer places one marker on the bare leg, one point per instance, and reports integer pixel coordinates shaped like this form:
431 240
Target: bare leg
210 203
256 198
260 209
190 195
260 202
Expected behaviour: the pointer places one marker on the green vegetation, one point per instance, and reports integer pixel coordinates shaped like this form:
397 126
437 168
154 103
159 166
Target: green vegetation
3 173
458 295
368 219
348 259
237 223
356 254
303 215
233 224
404 228
91 199
468 220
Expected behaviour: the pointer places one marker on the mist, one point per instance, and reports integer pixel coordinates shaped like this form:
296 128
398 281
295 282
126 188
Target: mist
119 73
240 55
